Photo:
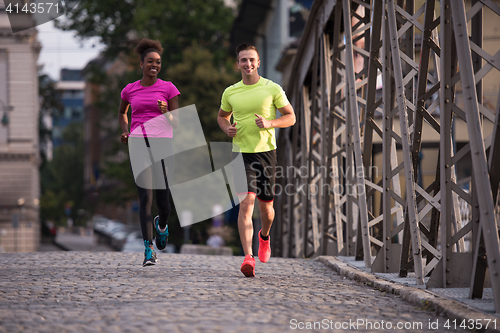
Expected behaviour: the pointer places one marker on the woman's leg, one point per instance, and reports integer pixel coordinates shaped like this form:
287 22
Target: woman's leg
163 201
143 182
164 208
145 203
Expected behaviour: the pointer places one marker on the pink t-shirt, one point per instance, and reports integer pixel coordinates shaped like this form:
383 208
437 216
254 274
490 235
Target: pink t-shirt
144 104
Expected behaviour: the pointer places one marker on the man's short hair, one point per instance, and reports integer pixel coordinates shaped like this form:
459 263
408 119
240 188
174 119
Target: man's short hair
245 47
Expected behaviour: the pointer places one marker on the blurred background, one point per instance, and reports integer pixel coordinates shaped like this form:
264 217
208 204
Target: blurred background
65 179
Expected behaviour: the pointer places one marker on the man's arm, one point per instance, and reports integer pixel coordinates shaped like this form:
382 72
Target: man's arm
287 119
225 125
123 120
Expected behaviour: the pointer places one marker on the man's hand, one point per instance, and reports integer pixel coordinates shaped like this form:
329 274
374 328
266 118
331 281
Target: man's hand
124 137
262 122
231 130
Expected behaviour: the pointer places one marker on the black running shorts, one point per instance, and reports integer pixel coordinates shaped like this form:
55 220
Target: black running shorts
260 169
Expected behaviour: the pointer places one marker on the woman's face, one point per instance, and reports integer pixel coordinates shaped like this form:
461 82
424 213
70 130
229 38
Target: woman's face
152 64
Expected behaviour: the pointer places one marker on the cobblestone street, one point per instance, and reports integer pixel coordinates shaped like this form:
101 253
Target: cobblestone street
112 292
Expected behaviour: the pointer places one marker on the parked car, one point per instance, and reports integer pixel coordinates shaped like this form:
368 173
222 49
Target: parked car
111 232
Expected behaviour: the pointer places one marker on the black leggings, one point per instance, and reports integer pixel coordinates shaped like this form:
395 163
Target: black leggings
145 203
162 197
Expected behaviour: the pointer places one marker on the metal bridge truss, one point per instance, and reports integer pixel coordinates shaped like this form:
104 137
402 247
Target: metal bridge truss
357 81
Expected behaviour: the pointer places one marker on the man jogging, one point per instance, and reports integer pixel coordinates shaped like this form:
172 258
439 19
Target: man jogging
253 102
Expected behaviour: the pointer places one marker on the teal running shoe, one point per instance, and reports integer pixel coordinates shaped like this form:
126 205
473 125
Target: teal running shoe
161 239
149 255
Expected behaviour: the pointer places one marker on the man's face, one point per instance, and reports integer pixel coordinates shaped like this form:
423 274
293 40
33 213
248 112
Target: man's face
248 62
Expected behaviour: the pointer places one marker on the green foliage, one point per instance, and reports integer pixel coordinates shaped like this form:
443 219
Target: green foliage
50 104
176 23
52 205
122 187
50 100
62 178
202 84
53 196
194 35
114 163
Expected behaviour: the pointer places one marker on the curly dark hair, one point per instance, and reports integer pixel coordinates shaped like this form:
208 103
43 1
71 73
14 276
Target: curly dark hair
148 45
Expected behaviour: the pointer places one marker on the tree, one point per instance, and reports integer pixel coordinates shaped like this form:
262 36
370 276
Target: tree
202 84
194 35
50 104
62 178
176 23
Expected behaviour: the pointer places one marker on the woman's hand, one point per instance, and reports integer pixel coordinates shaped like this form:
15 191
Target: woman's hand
124 137
163 106
123 120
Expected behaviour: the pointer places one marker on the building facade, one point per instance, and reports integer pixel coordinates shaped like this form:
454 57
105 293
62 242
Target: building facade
271 26
19 143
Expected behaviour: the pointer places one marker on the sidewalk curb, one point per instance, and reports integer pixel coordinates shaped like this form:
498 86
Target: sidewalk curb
61 246
423 298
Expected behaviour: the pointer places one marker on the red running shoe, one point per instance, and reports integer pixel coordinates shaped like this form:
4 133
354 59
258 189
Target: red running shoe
264 248
248 266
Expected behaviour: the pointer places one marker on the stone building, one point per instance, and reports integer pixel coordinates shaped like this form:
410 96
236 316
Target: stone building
19 144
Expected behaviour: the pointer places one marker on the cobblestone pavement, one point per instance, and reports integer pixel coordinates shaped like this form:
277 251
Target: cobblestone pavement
112 292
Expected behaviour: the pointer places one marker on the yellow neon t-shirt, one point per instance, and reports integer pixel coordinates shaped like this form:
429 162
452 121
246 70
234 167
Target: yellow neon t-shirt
244 101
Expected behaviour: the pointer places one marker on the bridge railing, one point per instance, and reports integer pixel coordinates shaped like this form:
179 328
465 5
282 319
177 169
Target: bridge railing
377 85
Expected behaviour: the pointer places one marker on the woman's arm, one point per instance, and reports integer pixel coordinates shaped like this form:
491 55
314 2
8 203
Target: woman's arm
123 120
173 104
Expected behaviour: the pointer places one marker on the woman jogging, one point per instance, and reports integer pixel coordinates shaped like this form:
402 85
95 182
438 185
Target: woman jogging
149 98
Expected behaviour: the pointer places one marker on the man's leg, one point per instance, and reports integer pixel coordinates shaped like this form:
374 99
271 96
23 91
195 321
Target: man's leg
267 174
266 216
245 225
